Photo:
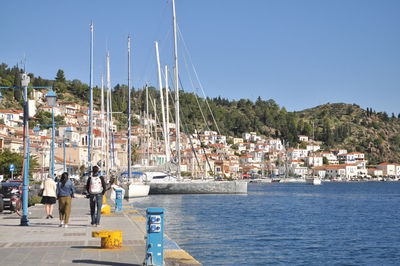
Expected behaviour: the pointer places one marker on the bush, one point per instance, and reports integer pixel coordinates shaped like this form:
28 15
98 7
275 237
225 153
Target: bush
33 200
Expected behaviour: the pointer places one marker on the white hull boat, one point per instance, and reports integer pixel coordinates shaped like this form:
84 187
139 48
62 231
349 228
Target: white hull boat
313 181
134 190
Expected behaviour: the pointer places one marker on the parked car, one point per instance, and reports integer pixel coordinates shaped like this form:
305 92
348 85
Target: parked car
1 203
9 195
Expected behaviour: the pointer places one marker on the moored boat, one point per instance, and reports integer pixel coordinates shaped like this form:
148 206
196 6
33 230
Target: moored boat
313 180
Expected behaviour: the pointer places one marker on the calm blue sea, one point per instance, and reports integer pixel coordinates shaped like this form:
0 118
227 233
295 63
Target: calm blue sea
288 224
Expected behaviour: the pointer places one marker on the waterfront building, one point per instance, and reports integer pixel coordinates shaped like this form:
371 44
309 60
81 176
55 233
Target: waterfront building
341 171
319 171
389 169
374 172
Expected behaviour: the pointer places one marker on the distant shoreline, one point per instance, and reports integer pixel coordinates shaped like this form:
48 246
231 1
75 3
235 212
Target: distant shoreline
302 180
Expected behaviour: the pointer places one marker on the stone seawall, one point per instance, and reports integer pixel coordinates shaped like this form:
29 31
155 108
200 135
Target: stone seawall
200 187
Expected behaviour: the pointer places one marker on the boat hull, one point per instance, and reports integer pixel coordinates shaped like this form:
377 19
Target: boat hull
313 181
199 187
136 190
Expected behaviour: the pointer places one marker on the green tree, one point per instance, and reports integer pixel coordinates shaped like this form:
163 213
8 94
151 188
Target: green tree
8 157
60 77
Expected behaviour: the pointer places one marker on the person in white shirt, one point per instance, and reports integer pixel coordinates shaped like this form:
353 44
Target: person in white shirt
49 195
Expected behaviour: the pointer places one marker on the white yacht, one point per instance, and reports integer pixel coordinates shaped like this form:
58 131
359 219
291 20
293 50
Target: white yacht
136 186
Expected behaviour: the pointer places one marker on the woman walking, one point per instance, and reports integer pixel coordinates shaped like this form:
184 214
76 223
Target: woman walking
65 192
49 195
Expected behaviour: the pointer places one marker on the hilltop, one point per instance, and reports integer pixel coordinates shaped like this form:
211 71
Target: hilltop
356 129
336 125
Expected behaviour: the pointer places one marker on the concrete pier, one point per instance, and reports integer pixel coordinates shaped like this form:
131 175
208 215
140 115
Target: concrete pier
199 187
43 242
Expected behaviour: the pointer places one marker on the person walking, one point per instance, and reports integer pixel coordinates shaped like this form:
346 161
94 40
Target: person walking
96 187
65 193
49 188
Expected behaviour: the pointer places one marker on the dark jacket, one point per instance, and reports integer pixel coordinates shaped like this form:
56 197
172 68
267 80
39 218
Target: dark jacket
103 184
67 191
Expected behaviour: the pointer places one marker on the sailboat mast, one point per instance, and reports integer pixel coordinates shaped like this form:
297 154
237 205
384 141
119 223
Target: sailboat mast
161 95
102 123
148 126
168 151
109 155
90 99
177 121
155 148
129 108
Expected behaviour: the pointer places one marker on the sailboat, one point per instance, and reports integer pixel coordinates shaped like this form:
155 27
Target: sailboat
179 185
135 187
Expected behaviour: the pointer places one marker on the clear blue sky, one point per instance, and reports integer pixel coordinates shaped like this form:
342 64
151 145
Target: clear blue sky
299 53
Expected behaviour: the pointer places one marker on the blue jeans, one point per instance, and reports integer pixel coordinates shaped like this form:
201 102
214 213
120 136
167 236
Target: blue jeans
96 200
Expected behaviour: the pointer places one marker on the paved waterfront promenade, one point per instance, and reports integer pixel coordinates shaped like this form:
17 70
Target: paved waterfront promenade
45 243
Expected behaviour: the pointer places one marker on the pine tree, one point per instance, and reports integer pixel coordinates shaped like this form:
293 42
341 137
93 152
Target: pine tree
60 77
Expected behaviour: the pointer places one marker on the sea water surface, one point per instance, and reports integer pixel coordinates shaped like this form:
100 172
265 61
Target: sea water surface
288 224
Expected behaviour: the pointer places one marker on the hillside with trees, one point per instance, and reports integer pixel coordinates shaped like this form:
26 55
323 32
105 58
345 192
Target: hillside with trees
336 125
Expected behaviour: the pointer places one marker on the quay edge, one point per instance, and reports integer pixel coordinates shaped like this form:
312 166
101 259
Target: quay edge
200 187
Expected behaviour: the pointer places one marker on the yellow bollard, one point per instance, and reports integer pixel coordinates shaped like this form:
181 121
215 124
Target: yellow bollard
106 209
109 239
104 199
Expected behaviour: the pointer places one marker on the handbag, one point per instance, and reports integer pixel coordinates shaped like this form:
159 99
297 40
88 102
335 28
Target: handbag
40 194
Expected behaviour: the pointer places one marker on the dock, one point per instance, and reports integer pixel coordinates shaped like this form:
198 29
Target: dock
199 187
43 242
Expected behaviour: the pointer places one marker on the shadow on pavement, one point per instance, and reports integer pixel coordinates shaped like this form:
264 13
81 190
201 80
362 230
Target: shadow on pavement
87 247
99 262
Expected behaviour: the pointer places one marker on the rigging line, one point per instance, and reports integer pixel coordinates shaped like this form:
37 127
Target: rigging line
150 52
205 154
191 142
195 95
186 131
171 95
198 80
157 119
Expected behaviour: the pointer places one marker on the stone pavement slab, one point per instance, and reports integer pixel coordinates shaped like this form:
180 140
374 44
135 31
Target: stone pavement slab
43 242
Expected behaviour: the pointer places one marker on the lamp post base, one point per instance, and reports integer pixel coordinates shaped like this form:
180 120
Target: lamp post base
24 220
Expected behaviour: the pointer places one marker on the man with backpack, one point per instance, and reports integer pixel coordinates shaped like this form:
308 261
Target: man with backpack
96 187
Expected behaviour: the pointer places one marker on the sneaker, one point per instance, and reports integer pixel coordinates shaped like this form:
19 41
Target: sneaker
48 216
65 225
61 223
51 216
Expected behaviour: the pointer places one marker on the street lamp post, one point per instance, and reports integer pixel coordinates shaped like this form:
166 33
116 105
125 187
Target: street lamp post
51 98
65 158
25 79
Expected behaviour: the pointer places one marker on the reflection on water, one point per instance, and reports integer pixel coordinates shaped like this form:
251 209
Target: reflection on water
291 224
